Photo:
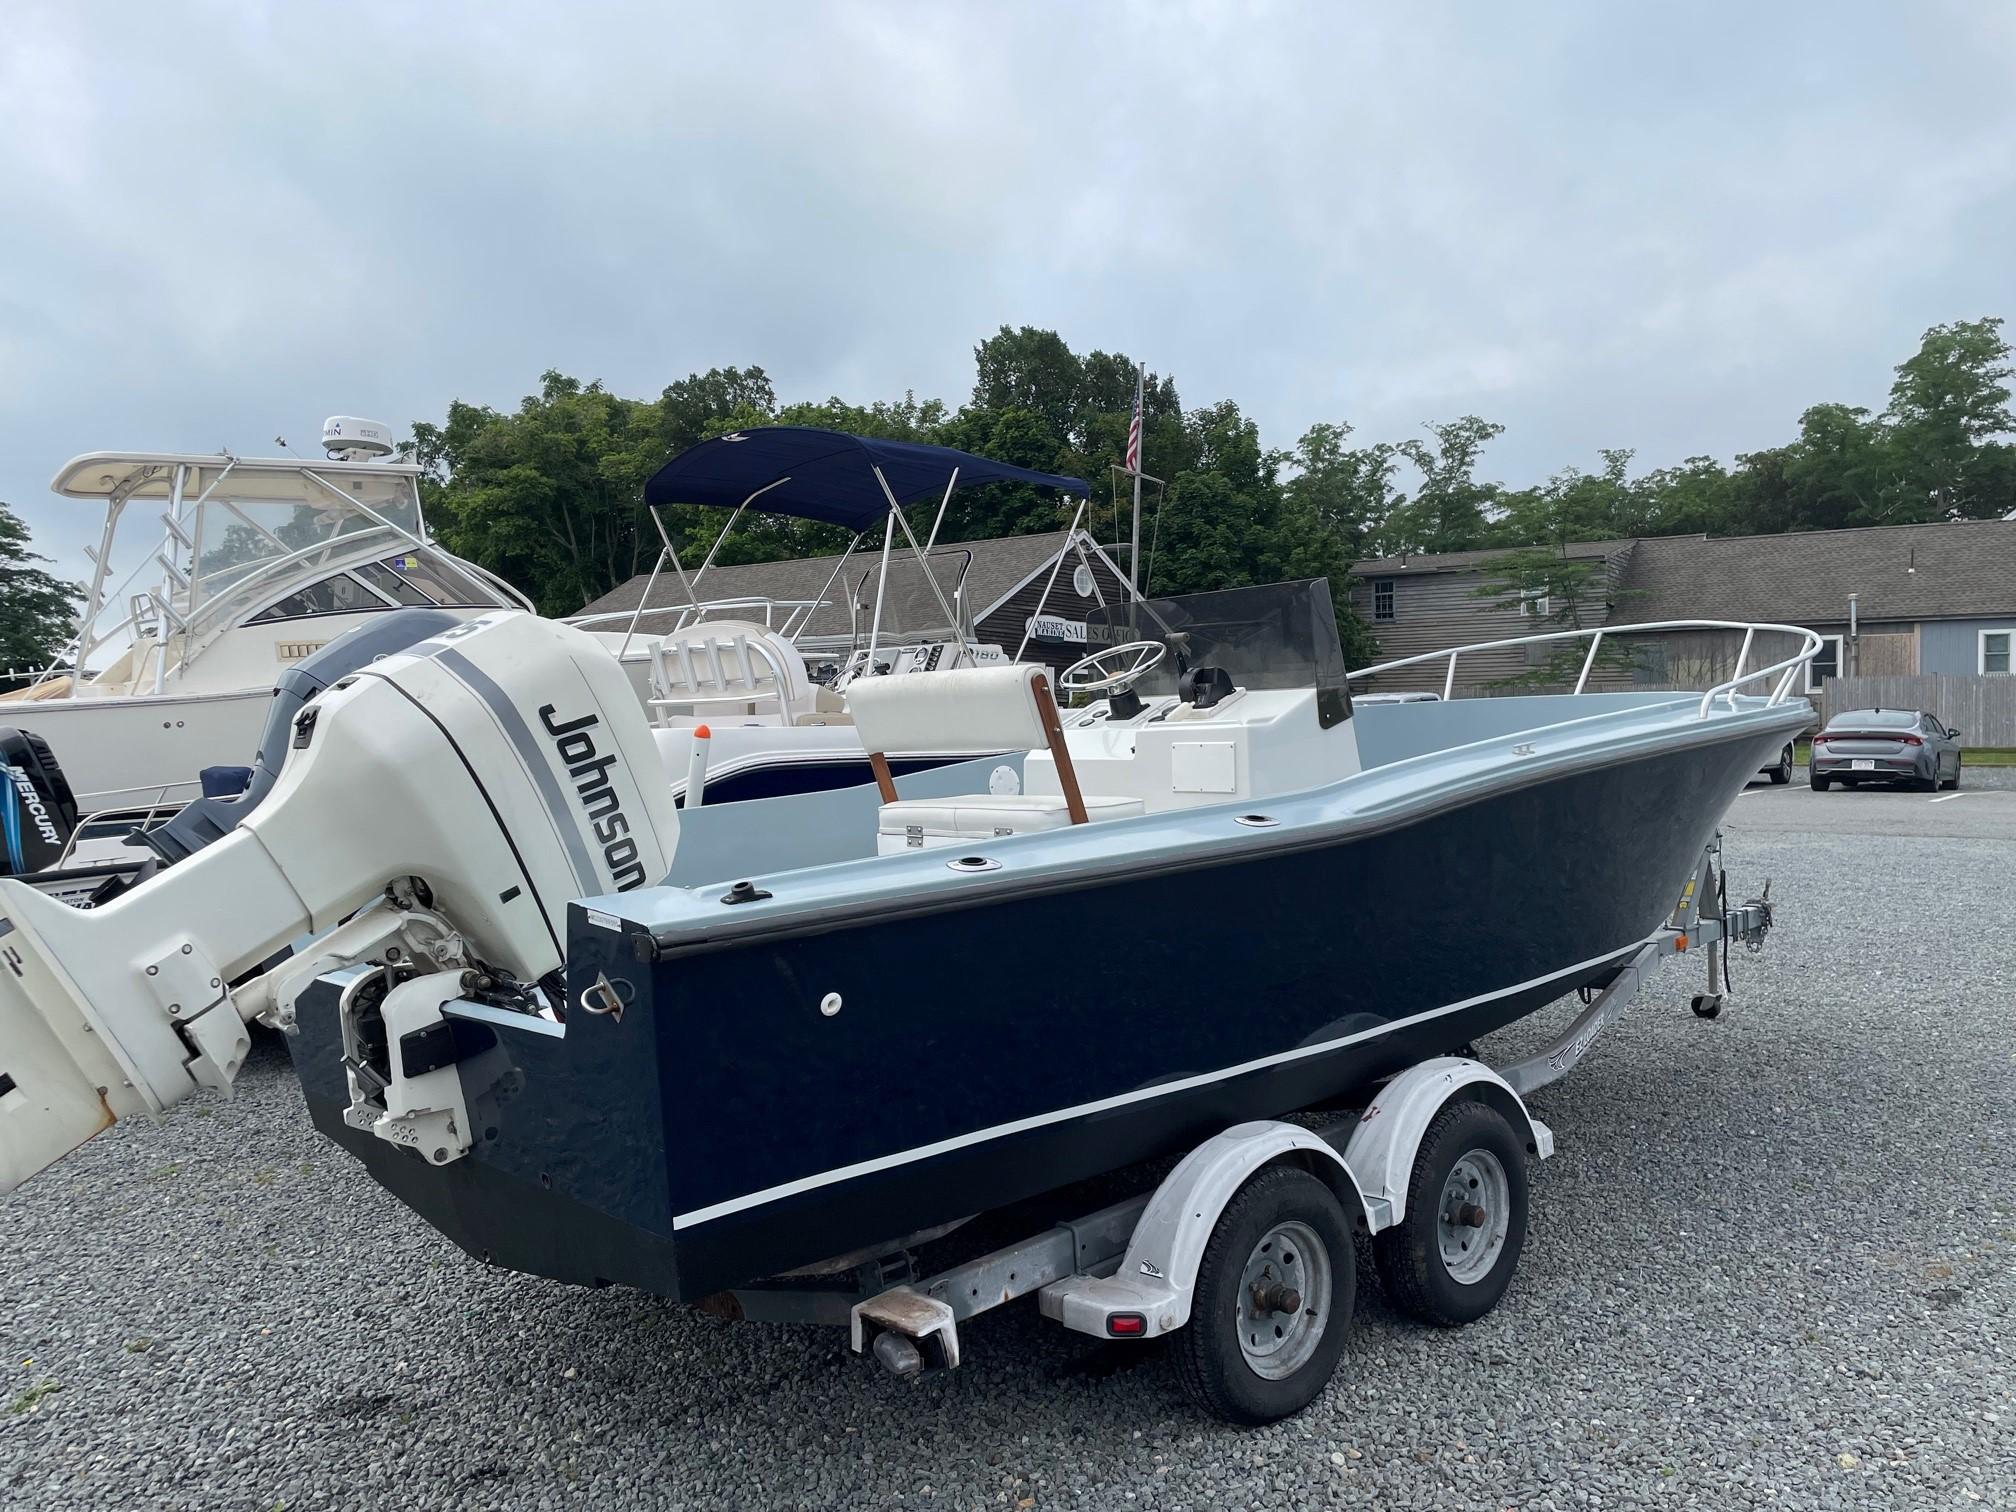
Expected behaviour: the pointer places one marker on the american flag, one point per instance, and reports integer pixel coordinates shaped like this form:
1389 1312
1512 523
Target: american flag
1134 429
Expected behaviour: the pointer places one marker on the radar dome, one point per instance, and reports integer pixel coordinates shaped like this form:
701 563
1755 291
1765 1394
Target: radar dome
354 439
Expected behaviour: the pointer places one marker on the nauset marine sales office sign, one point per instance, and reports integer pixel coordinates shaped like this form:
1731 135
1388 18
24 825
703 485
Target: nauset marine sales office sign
1048 627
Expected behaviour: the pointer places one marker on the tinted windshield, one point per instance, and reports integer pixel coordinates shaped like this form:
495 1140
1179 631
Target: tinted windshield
1875 719
1277 635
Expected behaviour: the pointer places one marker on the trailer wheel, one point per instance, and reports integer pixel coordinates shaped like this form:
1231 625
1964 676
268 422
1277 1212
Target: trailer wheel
1449 1260
1272 1302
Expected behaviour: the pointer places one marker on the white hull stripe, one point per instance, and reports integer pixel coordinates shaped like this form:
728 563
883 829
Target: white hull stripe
1121 1100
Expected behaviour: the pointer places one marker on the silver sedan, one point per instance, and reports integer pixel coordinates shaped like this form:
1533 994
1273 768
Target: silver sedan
1906 746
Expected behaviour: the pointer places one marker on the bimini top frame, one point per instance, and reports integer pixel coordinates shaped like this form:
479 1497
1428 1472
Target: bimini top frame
829 476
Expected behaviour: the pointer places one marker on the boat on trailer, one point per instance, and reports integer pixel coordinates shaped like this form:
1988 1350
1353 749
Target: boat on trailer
249 565
1220 895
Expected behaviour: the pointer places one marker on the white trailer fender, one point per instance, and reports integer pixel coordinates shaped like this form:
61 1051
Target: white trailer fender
1381 1150
1159 1271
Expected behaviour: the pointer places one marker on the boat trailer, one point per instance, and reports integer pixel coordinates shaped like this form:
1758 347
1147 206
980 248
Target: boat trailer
1432 1173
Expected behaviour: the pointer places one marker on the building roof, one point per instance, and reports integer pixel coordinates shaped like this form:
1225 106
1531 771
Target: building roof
1898 572
1469 561
994 569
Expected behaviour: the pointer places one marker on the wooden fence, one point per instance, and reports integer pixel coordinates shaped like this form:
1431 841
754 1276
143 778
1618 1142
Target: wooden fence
1983 709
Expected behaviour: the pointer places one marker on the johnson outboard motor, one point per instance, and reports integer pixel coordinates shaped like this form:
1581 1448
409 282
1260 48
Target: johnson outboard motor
37 811
437 814
206 820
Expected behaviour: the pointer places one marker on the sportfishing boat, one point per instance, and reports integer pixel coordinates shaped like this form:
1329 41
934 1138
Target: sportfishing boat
749 694
593 1038
249 564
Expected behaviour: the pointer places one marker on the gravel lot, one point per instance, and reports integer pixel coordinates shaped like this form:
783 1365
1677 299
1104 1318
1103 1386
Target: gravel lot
1770 1266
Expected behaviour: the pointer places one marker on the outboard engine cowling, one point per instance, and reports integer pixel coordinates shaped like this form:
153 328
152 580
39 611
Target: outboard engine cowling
206 820
37 812
435 815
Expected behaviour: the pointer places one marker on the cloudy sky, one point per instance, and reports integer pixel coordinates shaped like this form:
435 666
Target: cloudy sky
1598 225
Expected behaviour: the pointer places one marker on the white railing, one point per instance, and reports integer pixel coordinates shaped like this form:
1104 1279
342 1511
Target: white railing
785 617
1785 670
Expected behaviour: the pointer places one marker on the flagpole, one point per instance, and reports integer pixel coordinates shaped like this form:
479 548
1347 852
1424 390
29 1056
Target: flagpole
1134 548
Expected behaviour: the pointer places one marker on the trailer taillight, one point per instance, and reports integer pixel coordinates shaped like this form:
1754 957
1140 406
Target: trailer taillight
1127 1325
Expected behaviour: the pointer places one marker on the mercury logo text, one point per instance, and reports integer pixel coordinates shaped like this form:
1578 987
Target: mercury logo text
32 801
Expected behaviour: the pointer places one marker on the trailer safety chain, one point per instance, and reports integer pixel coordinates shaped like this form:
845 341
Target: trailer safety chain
1722 908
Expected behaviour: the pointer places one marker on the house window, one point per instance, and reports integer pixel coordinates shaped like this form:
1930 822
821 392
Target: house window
1535 604
1382 599
1826 663
1995 648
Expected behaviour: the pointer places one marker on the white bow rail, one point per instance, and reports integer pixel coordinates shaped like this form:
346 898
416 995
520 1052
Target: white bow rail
1785 671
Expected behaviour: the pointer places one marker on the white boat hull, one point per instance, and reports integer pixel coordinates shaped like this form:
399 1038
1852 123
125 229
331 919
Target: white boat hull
139 750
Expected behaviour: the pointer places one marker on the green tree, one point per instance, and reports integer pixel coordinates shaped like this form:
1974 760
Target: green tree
1577 506
1346 490
1451 510
551 496
1030 370
1689 498
37 611
1948 404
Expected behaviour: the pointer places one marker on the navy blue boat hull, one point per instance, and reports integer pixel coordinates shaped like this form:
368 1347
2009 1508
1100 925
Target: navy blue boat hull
784 779
723 1129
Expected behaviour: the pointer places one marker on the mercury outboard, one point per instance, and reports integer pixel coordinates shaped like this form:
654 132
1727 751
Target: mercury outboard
37 812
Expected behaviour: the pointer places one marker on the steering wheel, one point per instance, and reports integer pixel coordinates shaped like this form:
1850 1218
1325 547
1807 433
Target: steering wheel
1114 668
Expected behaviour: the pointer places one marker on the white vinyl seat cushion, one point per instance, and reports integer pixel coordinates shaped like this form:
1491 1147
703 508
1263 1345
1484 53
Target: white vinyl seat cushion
976 709
916 823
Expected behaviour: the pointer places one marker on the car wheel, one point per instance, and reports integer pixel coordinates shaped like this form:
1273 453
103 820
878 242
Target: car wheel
1818 783
1782 773
1953 782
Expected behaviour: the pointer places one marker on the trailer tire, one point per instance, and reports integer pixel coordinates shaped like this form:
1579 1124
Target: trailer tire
1471 1145
1226 1363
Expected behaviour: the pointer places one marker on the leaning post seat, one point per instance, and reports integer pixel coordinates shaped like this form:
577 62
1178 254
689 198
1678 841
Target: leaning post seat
972 711
726 666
